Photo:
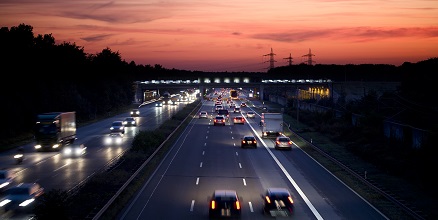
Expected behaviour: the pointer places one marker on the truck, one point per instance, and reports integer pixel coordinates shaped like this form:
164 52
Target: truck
233 94
271 124
54 130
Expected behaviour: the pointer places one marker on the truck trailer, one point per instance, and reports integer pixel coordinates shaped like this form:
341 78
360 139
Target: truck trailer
54 130
271 124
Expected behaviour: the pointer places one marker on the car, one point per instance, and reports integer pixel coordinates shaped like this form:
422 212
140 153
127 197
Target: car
250 114
225 203
239 119
219 120
203 114
129 121
21 197
283 142
248 141
225 113
74 150
278 202
236 109
6 179
243 104
117 127
114 138
158 104
219 107
232 105
135 113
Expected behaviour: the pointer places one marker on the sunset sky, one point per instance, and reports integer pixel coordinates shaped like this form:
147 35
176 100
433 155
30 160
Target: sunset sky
234 35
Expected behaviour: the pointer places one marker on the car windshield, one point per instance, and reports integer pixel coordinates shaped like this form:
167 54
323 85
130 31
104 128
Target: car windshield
117 123
249 138
283 139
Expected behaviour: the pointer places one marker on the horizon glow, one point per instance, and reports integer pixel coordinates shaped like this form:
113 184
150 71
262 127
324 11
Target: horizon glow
234 36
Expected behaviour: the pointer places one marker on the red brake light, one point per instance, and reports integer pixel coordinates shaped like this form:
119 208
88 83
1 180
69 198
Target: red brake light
213 204
290 142
278 142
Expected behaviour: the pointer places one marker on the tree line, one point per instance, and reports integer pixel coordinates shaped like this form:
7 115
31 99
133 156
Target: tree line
42 76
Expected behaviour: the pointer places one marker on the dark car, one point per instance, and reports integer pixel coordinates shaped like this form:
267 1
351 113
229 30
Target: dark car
129 121
225 204
135 112
225 113
21 198
278 202
117 127
248 141
283 142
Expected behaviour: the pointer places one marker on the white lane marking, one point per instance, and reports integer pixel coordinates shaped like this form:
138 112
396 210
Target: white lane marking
205 144
203 152
237 153
240 165
289 177
250 207
197 181
192 205
244 182
200 165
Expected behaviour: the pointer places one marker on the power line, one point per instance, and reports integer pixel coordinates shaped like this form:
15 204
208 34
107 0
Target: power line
289 59
271 59
309 57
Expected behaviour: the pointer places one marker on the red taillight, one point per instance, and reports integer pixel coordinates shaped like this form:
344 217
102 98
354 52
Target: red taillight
213 204
243 142
290 142
268 200
215 120
237 205
277 142
290 200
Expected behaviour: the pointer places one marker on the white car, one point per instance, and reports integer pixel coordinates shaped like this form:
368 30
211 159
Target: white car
203 114
250 114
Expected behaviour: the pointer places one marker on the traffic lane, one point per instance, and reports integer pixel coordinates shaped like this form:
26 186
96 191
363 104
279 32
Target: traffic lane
337 194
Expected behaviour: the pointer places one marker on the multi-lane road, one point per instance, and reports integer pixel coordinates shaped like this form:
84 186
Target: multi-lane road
208 157
53 171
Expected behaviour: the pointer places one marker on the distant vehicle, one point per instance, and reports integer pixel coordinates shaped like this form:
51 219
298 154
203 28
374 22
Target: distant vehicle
237 110
158 104
53 130
234 94
117 127
272 124
225 204
21 198
114 138
203 114
239 119
74 150
243 104
278 202
250 114
129 121
219 107
283 142
248 141
219 120
135 113
6 179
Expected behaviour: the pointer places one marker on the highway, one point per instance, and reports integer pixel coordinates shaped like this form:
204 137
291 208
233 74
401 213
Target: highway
208 157
53 171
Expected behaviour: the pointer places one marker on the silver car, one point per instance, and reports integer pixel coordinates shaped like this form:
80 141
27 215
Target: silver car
283 142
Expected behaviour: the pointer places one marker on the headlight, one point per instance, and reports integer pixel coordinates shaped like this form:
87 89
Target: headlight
27 202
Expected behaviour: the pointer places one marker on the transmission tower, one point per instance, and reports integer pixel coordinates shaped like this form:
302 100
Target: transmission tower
289 59
309 57
271 59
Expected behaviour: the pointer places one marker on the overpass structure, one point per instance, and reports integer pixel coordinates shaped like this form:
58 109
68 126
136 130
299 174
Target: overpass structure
263 87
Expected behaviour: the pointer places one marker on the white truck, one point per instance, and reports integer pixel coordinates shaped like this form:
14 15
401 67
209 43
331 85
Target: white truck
271 124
